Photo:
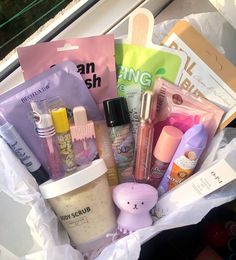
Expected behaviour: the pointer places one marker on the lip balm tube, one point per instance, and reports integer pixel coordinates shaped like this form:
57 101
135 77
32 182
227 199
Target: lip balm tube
22 151
118 122
185 158
164 150
62 127
83 137
144 141
47 134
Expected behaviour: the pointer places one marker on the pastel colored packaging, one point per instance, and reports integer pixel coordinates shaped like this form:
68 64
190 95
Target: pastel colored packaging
207 72
182 109
139 62
93 56
62 80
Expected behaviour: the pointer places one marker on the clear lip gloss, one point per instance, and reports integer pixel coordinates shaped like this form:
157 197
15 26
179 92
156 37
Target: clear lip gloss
62 127
143 152
47 134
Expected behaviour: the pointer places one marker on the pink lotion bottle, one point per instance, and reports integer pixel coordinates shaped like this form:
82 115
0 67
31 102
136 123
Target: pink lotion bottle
163 153
83 137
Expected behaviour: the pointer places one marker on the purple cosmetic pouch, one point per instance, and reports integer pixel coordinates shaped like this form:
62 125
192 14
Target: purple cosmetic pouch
62 81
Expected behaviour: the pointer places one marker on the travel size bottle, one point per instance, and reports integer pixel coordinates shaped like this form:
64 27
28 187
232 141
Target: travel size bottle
118 122
163 153
185 158
62 127
47 134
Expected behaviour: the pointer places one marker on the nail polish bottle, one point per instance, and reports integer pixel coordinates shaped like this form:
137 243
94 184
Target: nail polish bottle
62 127
83 137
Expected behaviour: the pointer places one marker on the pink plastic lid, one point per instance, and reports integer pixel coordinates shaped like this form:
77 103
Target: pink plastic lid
167 143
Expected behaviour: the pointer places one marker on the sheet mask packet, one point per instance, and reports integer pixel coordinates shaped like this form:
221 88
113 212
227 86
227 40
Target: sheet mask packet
139 62
207 72
93 56
62 81
182 109
140 66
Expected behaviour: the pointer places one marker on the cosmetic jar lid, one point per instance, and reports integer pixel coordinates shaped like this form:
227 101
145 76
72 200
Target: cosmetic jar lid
167 143
116 111
83 176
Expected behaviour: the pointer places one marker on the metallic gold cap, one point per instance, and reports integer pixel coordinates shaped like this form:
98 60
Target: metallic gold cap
60 120
147 109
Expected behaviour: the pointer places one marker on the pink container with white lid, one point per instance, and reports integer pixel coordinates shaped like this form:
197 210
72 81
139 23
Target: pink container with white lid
83 203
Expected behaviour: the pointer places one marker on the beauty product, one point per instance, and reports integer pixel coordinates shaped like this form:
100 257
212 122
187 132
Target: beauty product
164 150
83 137
62 127
47 134
145 137
198 185
207 72
104 147
83 203
134 200
133 98
118 122
185 158
22 151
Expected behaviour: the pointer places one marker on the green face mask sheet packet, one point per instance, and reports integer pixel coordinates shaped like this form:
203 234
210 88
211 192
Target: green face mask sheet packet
138 65
139 62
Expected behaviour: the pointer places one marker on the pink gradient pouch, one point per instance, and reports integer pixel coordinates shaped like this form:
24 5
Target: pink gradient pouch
93 56
182 109
62 81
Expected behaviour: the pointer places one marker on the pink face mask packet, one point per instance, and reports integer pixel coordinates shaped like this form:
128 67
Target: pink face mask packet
62 81
182 109
93 56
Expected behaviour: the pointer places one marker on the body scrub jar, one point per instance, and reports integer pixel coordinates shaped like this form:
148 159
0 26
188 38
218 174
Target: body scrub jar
83 203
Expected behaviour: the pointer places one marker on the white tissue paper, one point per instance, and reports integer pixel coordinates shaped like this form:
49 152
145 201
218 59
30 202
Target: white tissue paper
210 25
17 182
20 185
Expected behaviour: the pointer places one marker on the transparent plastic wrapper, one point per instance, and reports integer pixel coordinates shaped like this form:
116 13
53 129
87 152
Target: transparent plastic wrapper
209 24
62 80
20 185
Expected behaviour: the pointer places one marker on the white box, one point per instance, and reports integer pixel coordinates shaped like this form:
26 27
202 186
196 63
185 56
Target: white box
198 185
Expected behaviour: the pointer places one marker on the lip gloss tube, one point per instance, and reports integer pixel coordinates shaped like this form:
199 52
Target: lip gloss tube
62 127
47 134
143 153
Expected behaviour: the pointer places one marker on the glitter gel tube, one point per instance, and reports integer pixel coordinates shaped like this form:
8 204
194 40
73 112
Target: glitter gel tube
62 127
47 134
22 151
185 158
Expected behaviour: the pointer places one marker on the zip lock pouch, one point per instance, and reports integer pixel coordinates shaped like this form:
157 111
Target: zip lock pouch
139 62
93 56
182 109
63 81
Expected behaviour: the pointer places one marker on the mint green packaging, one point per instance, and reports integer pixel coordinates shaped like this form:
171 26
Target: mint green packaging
140 66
